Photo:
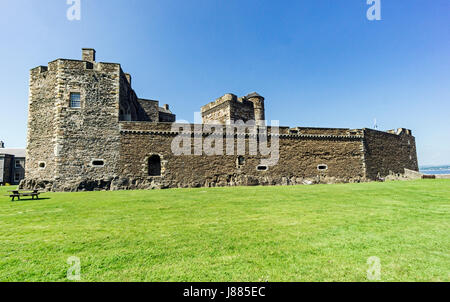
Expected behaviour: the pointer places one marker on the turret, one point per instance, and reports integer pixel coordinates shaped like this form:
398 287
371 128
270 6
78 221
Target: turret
258 104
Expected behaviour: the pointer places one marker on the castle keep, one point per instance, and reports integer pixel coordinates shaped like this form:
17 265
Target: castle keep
88 130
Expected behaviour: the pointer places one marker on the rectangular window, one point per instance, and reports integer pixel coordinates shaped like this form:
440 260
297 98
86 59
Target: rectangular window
75 100
16 177
17 164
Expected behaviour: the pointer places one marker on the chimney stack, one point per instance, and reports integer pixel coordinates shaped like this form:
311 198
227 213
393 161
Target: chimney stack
88 54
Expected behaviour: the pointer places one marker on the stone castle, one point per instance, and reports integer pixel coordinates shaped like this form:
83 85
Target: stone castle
88 130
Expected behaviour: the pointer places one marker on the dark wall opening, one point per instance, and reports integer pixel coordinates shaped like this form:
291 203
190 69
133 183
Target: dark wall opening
154 165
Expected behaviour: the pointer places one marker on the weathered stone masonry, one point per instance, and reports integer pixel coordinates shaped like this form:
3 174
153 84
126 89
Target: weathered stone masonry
114 139
300 156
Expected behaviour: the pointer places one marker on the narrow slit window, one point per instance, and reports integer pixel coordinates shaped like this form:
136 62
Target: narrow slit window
75 100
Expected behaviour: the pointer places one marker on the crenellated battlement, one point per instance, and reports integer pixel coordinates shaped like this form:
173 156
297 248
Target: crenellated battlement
229 97
232 108
76 65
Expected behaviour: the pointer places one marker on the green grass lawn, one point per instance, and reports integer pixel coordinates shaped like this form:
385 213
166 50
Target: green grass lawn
297 233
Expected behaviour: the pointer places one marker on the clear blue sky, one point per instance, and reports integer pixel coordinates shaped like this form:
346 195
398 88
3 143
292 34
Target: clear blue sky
317 62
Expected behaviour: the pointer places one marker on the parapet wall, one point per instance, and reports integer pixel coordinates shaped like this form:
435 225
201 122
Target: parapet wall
330 133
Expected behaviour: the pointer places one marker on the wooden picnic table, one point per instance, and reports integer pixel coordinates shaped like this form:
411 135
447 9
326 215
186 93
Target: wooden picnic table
22 193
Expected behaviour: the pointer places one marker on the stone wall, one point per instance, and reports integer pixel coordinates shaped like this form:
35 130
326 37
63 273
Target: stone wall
228 108
129 109
299 161
388 153
258 107
91 132
44 91
165 115
133 108
69 148
217 111
150 109
69 140
242 110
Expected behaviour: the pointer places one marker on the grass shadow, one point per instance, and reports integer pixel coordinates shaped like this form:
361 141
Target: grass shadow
29 199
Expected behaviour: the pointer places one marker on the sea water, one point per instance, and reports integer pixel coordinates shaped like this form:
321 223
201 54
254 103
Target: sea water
436 170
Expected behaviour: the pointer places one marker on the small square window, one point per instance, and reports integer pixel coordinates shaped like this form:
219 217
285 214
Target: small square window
17 177
75 100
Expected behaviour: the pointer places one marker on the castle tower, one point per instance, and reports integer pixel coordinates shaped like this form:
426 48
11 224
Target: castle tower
74 119
230 108
258 105
73 129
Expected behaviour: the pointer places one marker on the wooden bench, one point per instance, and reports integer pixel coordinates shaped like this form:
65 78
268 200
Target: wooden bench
24 193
